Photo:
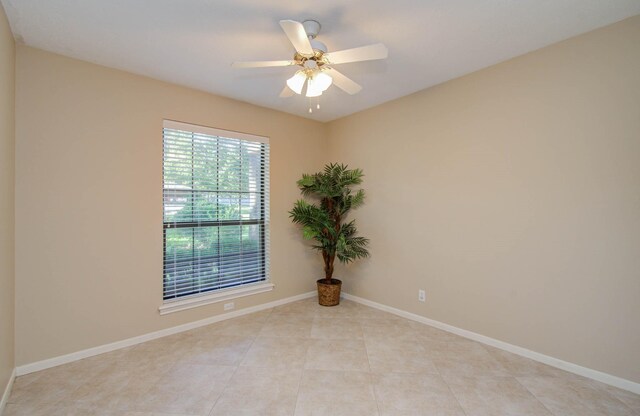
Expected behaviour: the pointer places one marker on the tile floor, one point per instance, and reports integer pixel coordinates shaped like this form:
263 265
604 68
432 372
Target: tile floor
304 359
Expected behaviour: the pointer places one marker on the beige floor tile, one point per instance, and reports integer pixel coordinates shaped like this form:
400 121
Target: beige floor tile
159 352
306 307
388 328
428 333
189 388
246 325
397 355
457 346
29 409
414 394
154 414
368 315
632 400
257 316
100 362
285 325
120 387
521 366
259 391
336 328
346 309
220 350
567 397
276 352
489 396
319 406
53 385
336 393
466 358
61 409
337 354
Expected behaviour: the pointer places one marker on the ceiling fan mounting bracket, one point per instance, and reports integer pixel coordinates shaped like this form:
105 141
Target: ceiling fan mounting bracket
312 28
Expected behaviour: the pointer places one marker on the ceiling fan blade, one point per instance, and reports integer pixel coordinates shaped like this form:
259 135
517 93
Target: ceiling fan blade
261 64
298 37
343 82
286 92
363 53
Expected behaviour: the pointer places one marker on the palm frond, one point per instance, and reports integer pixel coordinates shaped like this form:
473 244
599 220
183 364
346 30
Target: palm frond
309 215
352 248
358 199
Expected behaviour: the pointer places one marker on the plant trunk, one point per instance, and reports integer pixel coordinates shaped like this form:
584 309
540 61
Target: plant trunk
330 257
328 265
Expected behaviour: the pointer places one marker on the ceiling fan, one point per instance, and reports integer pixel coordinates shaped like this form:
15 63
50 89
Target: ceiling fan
316 63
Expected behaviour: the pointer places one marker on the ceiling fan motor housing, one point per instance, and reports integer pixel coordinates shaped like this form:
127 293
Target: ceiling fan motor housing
318 46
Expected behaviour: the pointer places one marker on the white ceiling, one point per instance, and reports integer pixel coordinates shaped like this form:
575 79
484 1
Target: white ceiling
194 42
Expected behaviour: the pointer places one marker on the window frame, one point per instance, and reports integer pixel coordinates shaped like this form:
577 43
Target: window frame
231 290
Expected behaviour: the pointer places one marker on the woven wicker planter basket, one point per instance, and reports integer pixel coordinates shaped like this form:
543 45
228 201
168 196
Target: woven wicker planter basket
329 293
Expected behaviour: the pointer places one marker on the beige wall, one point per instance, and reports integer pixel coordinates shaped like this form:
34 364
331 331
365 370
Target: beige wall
7 142
512 195
89 200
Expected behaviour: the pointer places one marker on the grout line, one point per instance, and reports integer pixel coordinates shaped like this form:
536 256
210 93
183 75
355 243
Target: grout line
536 397
304 362
440 375
299 384
452 392
370 372
239 364
237 367
442 378
373 388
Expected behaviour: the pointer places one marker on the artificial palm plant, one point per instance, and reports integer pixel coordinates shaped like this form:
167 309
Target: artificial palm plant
324 219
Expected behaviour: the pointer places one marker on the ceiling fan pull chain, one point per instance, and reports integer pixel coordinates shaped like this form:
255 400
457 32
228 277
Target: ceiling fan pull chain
311 103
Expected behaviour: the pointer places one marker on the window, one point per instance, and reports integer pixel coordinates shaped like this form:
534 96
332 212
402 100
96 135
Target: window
216 210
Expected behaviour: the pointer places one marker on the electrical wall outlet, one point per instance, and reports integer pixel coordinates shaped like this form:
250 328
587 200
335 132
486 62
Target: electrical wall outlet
422 295
229 306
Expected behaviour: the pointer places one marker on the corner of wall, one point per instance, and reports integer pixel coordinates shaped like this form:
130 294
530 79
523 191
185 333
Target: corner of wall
7 207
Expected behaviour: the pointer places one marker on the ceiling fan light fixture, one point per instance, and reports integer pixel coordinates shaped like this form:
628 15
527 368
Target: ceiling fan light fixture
322 80
296 82
313 88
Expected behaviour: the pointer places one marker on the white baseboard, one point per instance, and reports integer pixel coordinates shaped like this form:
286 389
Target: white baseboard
536 356
78 355
7 391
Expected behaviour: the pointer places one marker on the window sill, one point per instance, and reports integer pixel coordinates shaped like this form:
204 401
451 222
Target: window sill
218 296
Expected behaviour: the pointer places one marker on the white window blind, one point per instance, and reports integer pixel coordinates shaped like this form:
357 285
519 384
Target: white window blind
216 209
